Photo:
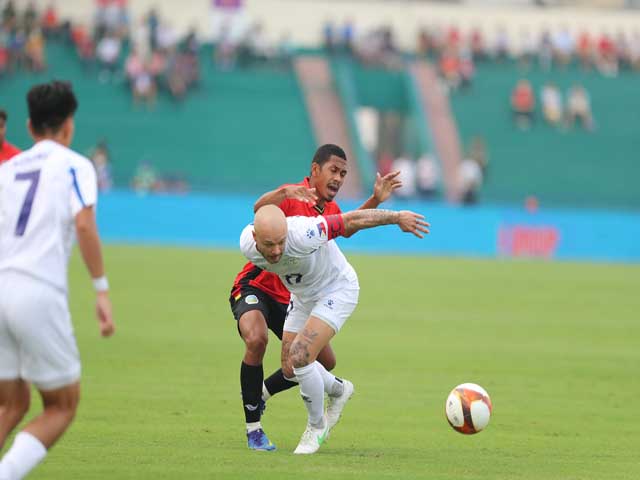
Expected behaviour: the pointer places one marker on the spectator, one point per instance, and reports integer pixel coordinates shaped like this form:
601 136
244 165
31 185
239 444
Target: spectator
85 46
562 47
450 68
153 22
51 22
427 175
501 50
552 104
7 150
527 49
329 40
466 68
100 158
30 17
34 51
407 168
478 152
140 38
9 15
4 58
108 54
286 50
607 60
469 181
523 104
585 50
623 50
545 51
17 42
157 66
145 179
226 52
141 81
423 47
478 49
579 108
348 36
634 50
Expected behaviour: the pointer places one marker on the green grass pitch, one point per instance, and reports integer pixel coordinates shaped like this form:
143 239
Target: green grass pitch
557 345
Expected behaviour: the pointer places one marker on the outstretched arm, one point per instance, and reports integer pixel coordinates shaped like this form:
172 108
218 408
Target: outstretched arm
279 195
408 221
382 189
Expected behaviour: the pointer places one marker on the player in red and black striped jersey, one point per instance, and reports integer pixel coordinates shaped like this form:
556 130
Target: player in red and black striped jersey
259 301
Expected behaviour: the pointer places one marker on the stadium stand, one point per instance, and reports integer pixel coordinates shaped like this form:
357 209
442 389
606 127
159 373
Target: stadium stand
558 166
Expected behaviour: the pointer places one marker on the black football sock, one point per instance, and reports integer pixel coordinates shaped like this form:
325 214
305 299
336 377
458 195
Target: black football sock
277 383
251 384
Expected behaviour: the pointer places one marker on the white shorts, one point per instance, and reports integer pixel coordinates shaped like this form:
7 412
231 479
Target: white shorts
334 309
36 335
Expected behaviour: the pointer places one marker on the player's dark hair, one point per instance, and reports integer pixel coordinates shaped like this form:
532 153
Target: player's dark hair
3 115
326 151
50 104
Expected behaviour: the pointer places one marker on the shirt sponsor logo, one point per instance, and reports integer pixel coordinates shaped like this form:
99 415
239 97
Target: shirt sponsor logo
251 300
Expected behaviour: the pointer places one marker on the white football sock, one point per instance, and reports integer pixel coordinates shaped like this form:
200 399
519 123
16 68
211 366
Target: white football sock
332 385
23 456
253 426
312 391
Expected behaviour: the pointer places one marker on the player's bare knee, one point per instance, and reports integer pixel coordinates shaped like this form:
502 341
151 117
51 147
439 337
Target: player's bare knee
299 354
256 343
62 402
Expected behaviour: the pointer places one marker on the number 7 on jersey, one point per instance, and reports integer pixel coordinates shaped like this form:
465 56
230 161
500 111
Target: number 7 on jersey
25 212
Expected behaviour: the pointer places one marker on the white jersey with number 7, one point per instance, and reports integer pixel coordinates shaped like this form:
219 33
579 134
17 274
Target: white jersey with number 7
41 191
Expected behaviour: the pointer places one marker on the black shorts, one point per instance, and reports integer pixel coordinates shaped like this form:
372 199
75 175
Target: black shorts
255 299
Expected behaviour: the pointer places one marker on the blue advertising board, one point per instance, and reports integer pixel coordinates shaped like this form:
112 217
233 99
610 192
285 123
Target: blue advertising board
216 221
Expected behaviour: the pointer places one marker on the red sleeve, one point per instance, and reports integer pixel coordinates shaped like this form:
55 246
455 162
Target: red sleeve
336 226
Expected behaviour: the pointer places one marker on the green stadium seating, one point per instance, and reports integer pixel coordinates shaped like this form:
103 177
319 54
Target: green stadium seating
561 168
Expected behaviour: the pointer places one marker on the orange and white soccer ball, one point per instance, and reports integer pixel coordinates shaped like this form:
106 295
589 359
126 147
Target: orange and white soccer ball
468 408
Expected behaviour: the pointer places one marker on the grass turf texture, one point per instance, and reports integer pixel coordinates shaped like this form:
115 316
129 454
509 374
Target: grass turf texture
555 344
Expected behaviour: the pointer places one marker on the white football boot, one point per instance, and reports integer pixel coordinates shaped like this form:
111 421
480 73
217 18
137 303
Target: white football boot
335 405
312 438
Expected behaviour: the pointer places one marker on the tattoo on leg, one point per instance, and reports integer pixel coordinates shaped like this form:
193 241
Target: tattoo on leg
300 355
284 358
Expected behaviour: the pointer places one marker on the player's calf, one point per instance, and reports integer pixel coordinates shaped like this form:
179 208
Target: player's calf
14 405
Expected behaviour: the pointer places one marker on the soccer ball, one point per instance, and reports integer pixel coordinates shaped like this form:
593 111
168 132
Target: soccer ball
468 408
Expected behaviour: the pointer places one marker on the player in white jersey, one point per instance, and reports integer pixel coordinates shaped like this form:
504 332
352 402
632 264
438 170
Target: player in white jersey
324 292
47 194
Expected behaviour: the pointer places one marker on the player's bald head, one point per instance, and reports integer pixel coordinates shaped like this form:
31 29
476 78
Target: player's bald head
270 221
270 232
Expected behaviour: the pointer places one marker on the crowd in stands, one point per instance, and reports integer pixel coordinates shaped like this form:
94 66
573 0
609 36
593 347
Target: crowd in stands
555 111
249 46
22 37
376 48
457 52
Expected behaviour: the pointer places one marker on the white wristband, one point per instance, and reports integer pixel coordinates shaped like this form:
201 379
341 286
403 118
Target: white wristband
101 284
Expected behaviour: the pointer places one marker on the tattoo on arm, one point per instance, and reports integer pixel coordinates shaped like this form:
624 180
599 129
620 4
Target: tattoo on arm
368 218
